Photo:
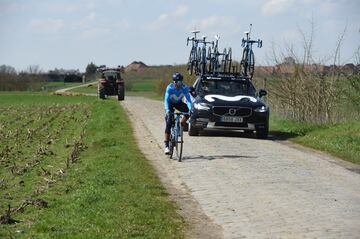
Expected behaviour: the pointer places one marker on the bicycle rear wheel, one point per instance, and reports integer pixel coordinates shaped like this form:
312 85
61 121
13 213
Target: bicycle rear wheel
198 61
229 59
251 64
203 61
209 60
190 64
224 60
243 63
179 144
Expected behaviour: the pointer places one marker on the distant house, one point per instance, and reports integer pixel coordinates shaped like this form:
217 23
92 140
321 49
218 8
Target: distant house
265 70
135 66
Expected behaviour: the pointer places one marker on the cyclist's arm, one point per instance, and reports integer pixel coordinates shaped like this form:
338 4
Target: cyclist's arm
166 99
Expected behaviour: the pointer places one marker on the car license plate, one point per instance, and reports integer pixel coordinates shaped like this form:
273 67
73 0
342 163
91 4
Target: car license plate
231 119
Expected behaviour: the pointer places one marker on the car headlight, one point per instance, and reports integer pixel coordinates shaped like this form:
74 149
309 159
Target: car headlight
201 106
261 109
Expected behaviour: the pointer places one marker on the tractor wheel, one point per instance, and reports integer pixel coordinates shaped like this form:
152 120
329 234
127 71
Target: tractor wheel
101 92
121 92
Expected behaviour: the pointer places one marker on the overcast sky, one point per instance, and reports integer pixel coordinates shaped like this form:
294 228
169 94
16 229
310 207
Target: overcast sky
70 34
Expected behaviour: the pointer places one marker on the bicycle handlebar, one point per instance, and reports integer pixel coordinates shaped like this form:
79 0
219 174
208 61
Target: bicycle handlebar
259 42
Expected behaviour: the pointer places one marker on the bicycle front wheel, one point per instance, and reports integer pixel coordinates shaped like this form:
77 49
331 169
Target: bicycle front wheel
179 144
171 145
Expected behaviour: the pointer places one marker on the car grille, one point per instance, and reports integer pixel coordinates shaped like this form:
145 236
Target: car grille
232 111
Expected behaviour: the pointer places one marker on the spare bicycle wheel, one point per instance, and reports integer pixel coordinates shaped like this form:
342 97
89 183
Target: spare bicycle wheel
190 65
209 59
229 59
243 63
251 64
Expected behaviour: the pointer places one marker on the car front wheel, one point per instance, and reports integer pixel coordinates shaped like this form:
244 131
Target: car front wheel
193 131
263 132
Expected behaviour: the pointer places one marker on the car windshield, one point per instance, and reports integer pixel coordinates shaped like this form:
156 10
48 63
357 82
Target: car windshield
226 87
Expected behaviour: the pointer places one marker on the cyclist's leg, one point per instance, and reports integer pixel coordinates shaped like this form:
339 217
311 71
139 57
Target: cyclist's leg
168 123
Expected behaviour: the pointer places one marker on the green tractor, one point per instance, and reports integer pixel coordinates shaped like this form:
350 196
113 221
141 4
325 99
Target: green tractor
110 82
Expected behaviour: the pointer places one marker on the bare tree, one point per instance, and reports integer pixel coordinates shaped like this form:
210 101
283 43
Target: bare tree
305 90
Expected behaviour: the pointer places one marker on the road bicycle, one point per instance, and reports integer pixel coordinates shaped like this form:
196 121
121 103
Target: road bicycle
226 60
193 57
176 136
248 59
197 57
213 57
202 56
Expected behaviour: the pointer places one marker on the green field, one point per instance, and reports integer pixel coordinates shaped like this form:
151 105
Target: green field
70 168
341 139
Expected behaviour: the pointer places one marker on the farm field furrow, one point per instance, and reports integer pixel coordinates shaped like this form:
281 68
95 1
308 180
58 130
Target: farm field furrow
38 145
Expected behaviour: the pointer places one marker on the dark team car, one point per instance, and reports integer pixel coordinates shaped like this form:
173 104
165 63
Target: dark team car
110 82
228 102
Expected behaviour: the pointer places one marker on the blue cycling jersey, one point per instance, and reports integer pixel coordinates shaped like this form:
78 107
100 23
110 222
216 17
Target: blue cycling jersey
173 95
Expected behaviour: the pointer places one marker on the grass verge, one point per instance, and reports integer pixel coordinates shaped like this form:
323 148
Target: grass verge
341 140
110 191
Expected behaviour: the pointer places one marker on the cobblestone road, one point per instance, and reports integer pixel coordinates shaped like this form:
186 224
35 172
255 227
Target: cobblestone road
260 188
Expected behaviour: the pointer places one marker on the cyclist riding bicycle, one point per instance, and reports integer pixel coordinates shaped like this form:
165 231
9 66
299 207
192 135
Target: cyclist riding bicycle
174 94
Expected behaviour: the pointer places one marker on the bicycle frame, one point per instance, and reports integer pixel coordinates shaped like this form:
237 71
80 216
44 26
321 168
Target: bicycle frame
176 132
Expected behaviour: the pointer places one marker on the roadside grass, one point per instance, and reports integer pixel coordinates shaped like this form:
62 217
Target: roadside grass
108 191
341 139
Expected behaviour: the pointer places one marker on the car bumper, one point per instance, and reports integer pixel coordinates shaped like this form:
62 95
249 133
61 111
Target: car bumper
206 120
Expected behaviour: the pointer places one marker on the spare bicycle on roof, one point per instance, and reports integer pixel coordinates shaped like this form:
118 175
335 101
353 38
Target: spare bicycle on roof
197 57
248 58
211 61
204 61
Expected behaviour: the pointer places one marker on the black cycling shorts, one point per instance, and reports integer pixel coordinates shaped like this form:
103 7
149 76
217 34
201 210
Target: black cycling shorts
182 107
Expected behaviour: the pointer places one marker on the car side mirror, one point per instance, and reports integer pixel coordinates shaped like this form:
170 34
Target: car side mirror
192 91
262 93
